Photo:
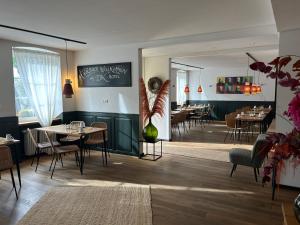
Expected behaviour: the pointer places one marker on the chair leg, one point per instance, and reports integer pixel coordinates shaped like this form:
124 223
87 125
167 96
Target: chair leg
56 159
226 136
255 174
257 171
33 158
102 149
51 161
233 169
76 158
37 159
13 181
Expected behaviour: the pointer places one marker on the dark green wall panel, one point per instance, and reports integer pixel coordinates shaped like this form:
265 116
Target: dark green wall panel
123 129
123 134
224 107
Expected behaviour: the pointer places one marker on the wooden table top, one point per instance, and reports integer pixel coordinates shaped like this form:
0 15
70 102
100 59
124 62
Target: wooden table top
62 129
4 141
249 118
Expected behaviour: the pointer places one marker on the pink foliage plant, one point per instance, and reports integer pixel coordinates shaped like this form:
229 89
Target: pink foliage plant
281 147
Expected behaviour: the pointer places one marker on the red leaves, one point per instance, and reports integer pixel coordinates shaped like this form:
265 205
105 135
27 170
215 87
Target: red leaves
275 61
274 70
144 100
159 103
284 61
296 65
285 146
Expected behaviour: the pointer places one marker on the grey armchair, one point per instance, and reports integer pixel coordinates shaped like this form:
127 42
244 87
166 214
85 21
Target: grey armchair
254 158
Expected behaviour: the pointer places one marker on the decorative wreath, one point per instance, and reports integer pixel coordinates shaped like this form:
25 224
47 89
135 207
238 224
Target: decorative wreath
154 84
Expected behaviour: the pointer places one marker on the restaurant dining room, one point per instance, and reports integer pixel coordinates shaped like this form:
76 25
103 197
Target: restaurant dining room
216 101
147 112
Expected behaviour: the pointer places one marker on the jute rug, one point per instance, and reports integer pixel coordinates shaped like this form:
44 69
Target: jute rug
121 205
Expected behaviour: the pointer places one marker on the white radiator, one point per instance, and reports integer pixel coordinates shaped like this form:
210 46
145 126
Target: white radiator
29 145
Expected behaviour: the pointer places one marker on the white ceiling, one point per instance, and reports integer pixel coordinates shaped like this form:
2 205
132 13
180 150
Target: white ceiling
249 43
233 60
115 22
286 14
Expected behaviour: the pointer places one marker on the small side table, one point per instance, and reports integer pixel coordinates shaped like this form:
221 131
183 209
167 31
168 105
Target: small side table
154 155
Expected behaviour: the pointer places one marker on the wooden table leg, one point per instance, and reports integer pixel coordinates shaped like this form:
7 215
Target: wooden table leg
81 153
273 183
105 146
17 164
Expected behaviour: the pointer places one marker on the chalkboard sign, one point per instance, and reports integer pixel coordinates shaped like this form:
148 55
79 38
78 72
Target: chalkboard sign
105 75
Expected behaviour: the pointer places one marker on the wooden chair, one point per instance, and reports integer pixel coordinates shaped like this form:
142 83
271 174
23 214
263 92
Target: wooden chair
198 117
39 148
97 139
233 127
6 163
58 151
175 120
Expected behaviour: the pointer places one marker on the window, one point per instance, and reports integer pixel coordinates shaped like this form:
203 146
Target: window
37 81
181 83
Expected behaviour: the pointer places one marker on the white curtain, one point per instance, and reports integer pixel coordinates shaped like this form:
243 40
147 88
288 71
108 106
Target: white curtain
40 73
181 83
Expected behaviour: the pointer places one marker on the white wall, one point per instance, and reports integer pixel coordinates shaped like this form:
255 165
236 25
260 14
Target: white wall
7 93
209 80
289 43
159 67
120 99
173 84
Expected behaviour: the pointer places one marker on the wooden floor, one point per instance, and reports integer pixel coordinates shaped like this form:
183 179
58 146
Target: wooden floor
185 190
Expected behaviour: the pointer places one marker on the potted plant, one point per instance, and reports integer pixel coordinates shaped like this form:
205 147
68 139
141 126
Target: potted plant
284 146
150 132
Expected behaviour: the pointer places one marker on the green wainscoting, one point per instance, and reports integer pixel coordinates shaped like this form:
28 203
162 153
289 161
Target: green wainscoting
221 108
123 129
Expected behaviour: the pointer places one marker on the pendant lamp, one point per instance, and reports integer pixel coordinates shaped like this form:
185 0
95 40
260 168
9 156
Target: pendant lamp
186 89
253 89
199 89
68 89
258 89
247 88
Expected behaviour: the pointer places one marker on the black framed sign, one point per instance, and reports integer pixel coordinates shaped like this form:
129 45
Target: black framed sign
105 75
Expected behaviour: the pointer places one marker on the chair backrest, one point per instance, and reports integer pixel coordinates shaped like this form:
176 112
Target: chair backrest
6 161
50 141
182 116
230 120
31 137
99 135
175 119
256 156
246 108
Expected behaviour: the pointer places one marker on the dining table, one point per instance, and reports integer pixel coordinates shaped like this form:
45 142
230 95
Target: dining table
82 134
14 150
253 117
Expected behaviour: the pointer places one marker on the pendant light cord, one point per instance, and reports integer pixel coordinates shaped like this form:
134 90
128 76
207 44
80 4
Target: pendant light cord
67 59
248 70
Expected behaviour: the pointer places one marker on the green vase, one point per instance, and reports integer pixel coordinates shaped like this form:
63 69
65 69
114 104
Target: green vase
150 132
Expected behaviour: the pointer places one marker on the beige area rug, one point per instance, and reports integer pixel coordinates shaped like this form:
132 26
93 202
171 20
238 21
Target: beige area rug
120 205
211 151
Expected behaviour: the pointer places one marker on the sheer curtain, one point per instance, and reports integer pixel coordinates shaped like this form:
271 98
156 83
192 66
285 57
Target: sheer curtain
40 73
181 83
